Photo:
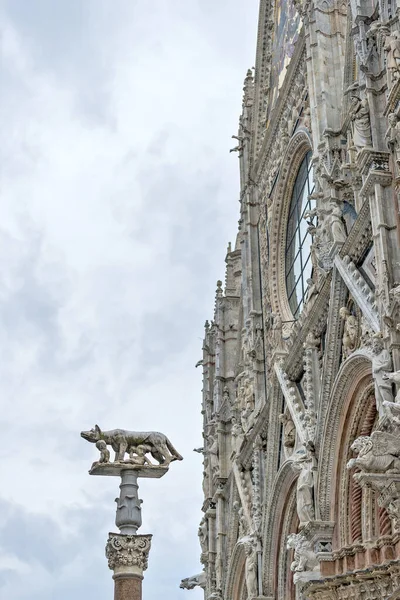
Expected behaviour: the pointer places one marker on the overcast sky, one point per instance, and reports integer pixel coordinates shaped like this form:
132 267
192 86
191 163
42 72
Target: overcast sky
118 199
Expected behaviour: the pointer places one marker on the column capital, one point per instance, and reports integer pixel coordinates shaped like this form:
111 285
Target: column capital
128 554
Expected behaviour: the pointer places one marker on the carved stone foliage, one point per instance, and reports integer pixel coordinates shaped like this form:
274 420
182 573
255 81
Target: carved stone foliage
128 551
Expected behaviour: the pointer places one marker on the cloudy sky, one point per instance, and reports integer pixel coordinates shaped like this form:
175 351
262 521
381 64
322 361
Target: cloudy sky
118 198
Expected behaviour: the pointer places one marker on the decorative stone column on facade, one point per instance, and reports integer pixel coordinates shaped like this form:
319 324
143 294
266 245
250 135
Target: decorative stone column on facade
127 552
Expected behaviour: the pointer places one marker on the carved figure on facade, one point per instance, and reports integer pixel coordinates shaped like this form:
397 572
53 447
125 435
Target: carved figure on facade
377 453
203 535
289 430
251 569
121 440
237 435
336 224
312 291
394 378
393 408
350 331
277 331
305 558
393 135
392 47
361 123
303 462
213 452
243 526
381 364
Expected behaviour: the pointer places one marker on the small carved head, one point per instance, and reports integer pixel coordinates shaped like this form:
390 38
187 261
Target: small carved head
292 540
94 435
344 312
101 445
361 444
377 343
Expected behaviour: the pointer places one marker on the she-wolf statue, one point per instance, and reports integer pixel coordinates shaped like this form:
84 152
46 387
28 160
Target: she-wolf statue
121 440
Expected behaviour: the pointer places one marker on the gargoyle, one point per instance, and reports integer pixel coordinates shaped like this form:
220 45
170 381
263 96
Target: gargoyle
195 580
378 453
122 440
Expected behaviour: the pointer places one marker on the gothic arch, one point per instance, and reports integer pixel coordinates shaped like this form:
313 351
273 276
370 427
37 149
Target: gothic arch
297 148
235 580
281 516
352 386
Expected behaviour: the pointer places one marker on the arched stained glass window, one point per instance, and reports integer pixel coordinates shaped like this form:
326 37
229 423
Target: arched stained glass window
298 239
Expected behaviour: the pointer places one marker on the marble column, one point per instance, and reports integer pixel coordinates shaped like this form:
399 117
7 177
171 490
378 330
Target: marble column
127 557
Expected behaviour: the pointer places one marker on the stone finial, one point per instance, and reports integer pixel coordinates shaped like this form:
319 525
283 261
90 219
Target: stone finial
128 551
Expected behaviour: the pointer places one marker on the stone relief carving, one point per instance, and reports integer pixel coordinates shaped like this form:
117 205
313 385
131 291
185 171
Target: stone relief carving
121 440
304 557
378 453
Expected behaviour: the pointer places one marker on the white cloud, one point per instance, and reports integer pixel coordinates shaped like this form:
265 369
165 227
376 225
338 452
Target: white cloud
118 198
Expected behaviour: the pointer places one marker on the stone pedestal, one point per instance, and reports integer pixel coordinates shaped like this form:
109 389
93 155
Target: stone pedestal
127 557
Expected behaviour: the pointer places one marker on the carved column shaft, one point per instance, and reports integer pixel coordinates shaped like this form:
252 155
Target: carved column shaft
129 517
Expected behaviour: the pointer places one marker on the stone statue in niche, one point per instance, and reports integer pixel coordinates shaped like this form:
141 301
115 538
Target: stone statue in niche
121 439
392 47
336 224
237 435
242 519
350 331
289 430
304 464
203 534
251 570
277 327
361 123
377 453
393 136
213 453
393 407
304 557
381 364
248 398
394 378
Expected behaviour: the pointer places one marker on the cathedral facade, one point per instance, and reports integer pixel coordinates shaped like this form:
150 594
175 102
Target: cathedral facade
301 360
